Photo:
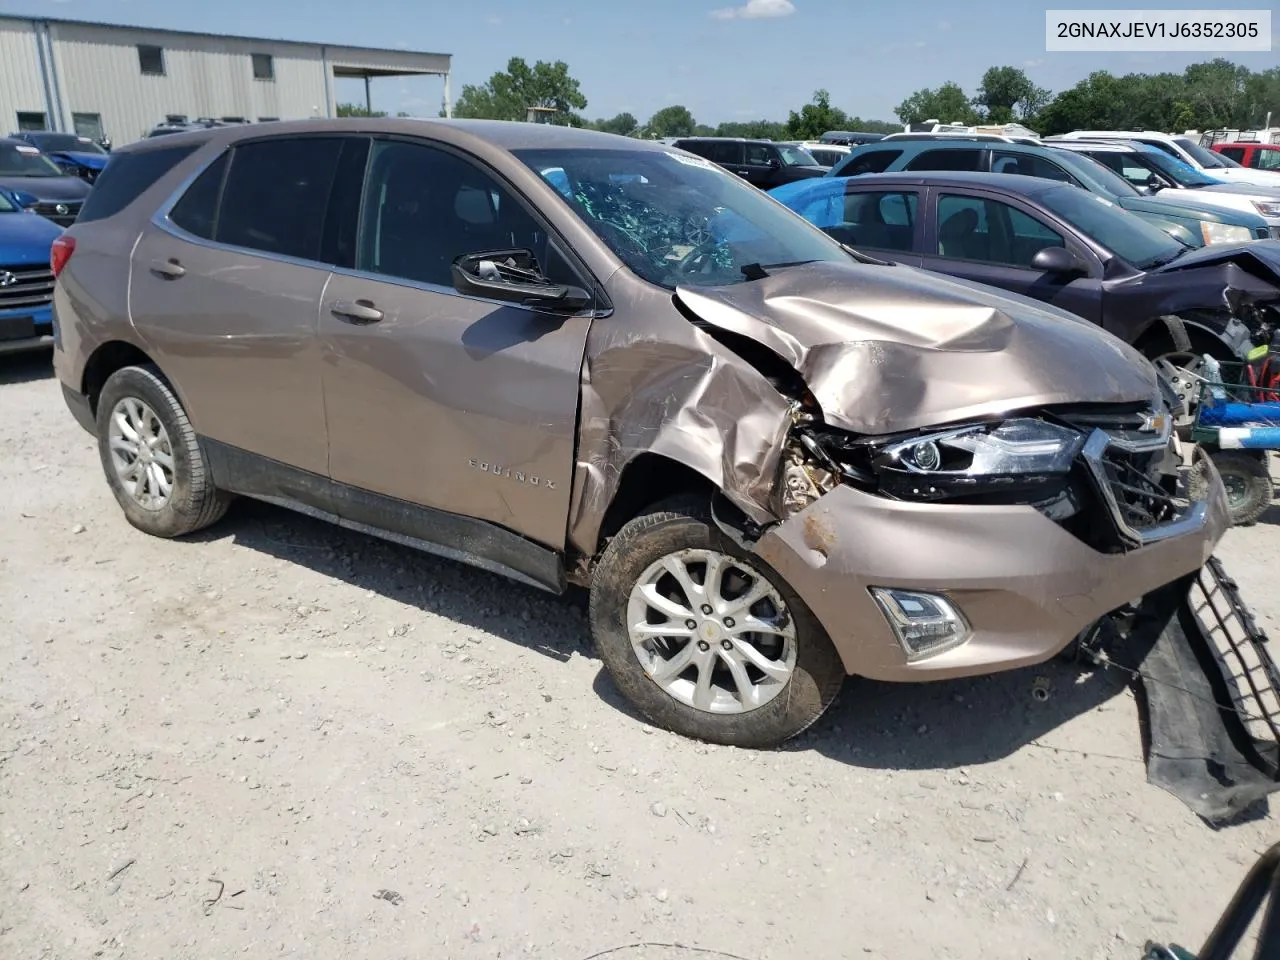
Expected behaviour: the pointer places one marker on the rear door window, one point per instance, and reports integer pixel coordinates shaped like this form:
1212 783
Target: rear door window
878 220
947 160
726 152
127 176
276 194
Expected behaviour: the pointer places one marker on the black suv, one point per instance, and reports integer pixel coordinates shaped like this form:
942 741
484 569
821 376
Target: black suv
761 162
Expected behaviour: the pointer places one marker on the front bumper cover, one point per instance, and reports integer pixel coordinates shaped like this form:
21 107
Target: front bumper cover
1027 586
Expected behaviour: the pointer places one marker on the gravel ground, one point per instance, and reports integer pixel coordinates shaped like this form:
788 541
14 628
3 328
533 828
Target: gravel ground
283 739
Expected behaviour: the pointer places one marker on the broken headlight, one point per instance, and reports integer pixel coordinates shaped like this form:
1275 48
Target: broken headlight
1017 461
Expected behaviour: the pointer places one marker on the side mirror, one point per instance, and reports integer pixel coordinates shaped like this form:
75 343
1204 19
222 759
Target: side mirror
1154 184
1058 260
515 277
773 163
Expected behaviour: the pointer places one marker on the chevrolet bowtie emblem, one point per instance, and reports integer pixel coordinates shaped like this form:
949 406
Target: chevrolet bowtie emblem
7 279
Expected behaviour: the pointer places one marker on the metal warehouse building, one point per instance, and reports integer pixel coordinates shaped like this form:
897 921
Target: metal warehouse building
98 79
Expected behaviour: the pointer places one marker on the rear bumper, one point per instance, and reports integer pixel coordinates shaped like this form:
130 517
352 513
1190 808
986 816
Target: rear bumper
1026 586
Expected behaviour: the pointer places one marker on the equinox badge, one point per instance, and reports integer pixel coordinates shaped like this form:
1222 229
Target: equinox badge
508 474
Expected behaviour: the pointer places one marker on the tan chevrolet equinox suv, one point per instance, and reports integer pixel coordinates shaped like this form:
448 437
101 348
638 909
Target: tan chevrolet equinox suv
573 358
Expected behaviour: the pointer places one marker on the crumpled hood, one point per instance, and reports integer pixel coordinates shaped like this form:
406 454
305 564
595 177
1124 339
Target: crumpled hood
1259 257
885 349
91 161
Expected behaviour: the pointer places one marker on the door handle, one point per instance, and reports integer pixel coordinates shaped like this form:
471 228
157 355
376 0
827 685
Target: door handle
361 311
169 269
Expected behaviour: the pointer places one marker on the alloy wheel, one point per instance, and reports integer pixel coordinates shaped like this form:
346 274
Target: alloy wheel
141 453
712 632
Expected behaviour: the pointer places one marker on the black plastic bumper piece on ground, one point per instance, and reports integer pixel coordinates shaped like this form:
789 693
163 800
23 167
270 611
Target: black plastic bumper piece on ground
1213 697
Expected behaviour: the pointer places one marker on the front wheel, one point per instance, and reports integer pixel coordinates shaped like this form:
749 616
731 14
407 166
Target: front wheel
1247 477
704 638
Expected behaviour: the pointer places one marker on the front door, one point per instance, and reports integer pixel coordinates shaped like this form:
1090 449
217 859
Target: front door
226 295
977 237
762 165
464 405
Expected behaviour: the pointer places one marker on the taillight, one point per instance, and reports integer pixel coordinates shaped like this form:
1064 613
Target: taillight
61 252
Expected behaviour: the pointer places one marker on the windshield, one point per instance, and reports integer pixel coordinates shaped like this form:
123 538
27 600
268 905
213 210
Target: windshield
1127 236
1206 158
1176 170
676 219
64 143
21 160
796 156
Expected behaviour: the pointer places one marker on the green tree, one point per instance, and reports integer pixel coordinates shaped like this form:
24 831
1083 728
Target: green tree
673 121
816 118
858 125
947 104
753 130
508 95
624 124
355 110
1007 93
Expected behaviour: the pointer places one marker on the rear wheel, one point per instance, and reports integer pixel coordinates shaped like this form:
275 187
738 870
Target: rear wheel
152 458
704 638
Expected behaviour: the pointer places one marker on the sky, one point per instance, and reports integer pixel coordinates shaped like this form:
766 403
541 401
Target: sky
758 60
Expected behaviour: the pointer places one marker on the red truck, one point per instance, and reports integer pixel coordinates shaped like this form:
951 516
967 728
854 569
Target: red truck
1262 156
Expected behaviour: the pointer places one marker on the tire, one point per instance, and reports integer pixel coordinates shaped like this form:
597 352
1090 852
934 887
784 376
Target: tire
1247 477
192 502
685 529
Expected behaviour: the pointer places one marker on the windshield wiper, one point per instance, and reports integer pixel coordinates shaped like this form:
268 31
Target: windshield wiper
865 258
758 271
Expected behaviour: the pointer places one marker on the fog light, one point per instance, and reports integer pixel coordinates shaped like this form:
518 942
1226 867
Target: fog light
924 623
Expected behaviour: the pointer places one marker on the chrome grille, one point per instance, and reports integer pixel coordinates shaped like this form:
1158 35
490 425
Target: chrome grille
1144 496
25 286
61 212
1134 474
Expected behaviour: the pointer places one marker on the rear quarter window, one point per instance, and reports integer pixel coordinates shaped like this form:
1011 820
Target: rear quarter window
127 176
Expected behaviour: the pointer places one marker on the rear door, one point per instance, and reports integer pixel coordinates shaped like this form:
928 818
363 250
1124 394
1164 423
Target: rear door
440 399
992 239
225 288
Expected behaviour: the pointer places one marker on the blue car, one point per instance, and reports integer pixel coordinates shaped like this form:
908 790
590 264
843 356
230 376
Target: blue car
75 155
39 184
26 280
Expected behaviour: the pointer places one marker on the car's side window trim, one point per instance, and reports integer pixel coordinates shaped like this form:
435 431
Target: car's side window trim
574 260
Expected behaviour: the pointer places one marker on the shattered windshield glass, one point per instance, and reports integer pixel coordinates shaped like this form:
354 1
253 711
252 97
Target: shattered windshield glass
677 219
